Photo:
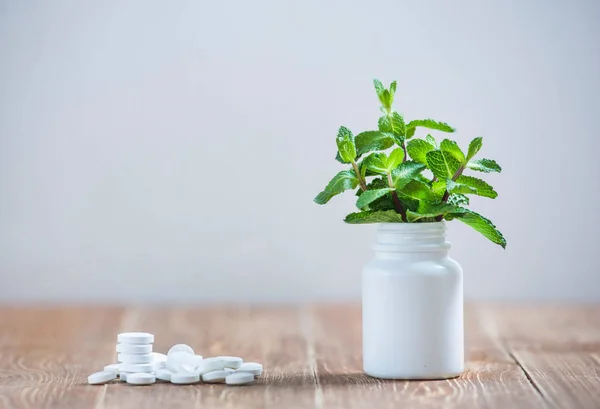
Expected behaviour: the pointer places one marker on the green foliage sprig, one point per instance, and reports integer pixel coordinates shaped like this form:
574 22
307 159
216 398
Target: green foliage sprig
387 167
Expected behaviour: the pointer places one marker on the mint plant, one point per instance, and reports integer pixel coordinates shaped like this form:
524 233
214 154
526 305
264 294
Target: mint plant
387 165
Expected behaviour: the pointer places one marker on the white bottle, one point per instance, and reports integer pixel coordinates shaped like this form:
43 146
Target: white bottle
412 305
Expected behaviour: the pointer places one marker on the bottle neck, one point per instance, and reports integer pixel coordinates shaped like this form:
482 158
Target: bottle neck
400 239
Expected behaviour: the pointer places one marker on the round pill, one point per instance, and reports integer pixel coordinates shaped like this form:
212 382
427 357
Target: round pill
210 364
232 362
135 358
184 378
251 367
163 374
129 367
123 375
216 376
112 367
181 348
239 378
134 348
135 338
141 379
157 357
101 377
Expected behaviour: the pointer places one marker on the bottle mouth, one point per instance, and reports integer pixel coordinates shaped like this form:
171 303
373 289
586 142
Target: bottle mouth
411 237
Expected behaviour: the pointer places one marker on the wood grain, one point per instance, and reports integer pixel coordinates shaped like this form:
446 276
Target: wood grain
517 357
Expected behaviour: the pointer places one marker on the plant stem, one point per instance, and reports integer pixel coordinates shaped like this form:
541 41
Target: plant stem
456 175
397 203
363 183
404 149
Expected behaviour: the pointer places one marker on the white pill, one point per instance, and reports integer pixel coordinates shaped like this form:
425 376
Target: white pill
123 375
251 367
101 377
157 357
135 338
181 348
232 362
112 367
129 367
163 374
210 364
216 376
239 378
181 362
134 348
135 358
141 379
184 378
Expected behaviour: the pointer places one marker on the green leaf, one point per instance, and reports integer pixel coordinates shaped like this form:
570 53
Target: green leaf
372 141
418 190
439 188
484 165
376 162
431 140
452 148
406 172
345 144
344 180
385 216
371 195
458 199
427 210
470 185
429 124
474 147
394 124
393 88
442 164
417 149
395 159
482 225
379 88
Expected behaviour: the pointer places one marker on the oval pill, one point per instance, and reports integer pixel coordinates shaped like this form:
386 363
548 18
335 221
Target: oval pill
101 377
135 338
141 379
209 365
239 378
232 362
123 375
163 374
135 358
129 367
251 367
184 378
134 348
216 376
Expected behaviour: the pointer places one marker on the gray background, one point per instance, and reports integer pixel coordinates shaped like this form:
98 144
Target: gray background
170 151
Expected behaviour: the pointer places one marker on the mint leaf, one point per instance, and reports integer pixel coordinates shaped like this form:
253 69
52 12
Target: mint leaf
482 225
395 159
394 124
379 88
417 149
439 188
452 148
458 199
372 141
426 123
376 162
474 147
442 164
345 144
381 216
369 196
470 185
427 210
484 165
405 172
344 180
417 190
431 140
393 88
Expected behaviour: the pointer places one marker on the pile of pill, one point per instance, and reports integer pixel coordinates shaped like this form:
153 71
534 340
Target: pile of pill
138 365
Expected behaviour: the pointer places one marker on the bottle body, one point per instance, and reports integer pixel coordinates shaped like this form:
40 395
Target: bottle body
412 305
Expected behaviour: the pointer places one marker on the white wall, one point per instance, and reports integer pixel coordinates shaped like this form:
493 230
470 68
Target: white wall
154 150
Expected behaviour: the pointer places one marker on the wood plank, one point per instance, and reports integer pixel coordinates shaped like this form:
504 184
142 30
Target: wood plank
272 336
47 354
492 378
557 346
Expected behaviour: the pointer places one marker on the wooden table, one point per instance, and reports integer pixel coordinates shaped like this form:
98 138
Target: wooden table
517 357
